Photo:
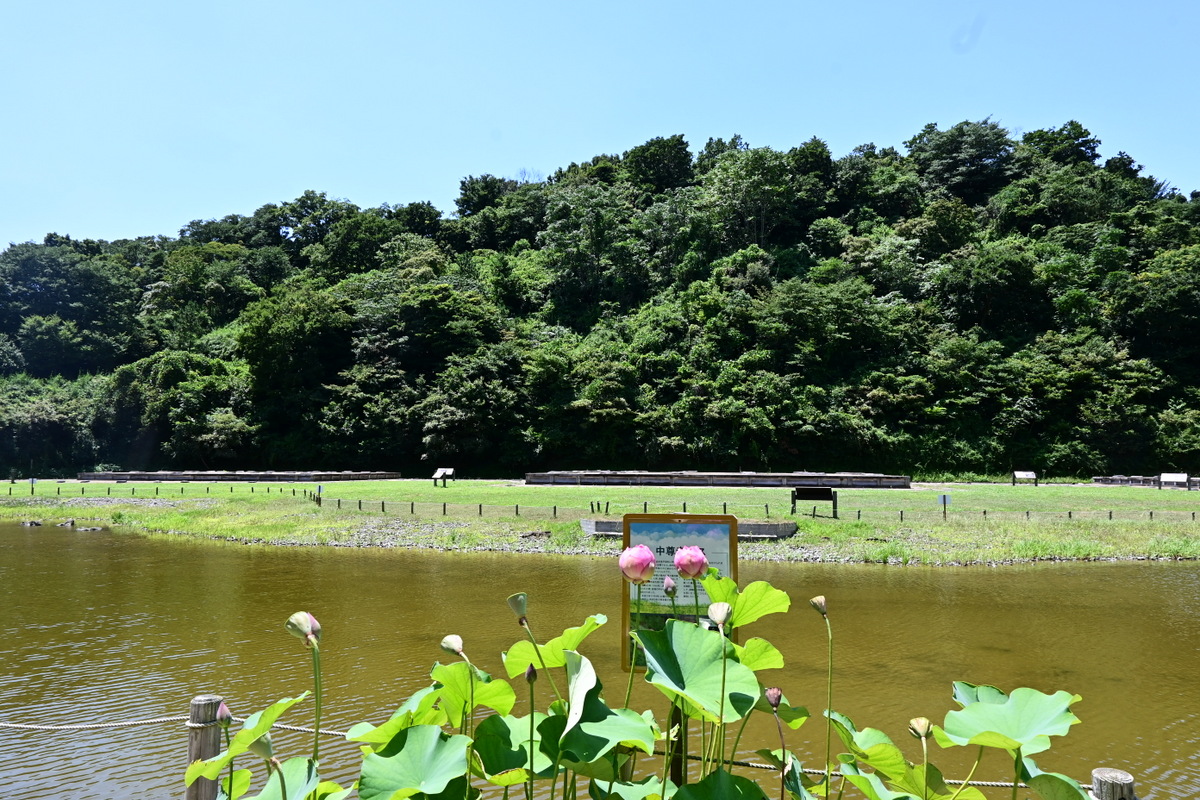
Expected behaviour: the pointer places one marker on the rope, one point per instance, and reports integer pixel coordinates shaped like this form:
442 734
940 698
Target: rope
342 734
810 771
92 726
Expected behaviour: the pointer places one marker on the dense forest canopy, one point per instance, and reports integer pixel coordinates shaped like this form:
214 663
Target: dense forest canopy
973 303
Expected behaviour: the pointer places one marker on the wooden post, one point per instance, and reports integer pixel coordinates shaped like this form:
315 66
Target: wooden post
678 725
203 743
1112 784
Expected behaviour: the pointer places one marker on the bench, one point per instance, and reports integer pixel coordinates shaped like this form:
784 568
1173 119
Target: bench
1024 476
820 494
442 474
1175 479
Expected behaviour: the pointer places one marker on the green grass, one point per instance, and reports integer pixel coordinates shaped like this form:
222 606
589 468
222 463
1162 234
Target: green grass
1022 523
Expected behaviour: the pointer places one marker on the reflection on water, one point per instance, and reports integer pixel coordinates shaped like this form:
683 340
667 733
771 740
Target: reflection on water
104 626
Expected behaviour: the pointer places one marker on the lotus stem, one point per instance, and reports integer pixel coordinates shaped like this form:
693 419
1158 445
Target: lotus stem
229 790
633 643
828 704
316 661
737 740
696 595
782 754
529 785
1016 773
721 700
970 775
538 649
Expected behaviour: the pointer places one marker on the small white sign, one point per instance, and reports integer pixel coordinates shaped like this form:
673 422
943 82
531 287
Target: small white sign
944 499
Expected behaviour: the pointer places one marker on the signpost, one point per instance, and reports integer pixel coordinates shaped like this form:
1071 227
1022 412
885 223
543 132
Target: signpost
664 534
944 499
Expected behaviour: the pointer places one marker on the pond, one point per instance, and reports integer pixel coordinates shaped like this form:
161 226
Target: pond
108 626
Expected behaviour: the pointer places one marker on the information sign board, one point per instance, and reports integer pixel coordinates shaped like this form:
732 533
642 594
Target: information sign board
665 534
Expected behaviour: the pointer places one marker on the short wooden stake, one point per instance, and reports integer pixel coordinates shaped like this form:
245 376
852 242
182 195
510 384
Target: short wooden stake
1112 784
443 509
518 509
203 743
383 506
645 505
481 509
360 505
724 508
1110 515
685 507
859 514
556 512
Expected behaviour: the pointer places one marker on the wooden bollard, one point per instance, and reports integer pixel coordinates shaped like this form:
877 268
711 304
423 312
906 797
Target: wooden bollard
1112 784
203 743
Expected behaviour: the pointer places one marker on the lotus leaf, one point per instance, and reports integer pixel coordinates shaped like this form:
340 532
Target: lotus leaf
299 776
1024 722
522 654
421 759
502 745
721 785
456 691
686 661
420 709
749 604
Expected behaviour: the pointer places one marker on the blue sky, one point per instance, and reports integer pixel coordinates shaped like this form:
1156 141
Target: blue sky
133 117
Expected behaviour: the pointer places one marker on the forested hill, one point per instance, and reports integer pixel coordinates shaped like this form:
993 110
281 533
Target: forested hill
971 302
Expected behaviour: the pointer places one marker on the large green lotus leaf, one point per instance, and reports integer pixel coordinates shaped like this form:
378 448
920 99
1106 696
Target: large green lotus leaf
299 778
253 728
421 759
581 680
521 655
721 785
420 709
759 654
792 716
649 789
241 785
1025 722
967 693
502 745
751 603
930 785
593 729
870 784
461 682
330 790
686 660
795 782
870 746
1051 785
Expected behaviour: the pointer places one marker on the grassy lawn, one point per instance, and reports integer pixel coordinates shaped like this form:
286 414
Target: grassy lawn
983 524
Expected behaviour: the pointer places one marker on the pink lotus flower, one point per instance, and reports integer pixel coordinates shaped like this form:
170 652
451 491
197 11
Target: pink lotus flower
669 586
637 564
691 562
304 625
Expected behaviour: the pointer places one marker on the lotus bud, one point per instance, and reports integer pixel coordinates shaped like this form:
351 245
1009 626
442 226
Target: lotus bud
774 695
304 625
669 586
818 603
530 674
518 602
262 747
720 613
453 644
691 562
920 728
224 716
637 564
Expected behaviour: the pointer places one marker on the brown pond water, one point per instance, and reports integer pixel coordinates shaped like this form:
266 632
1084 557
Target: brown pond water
110 626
